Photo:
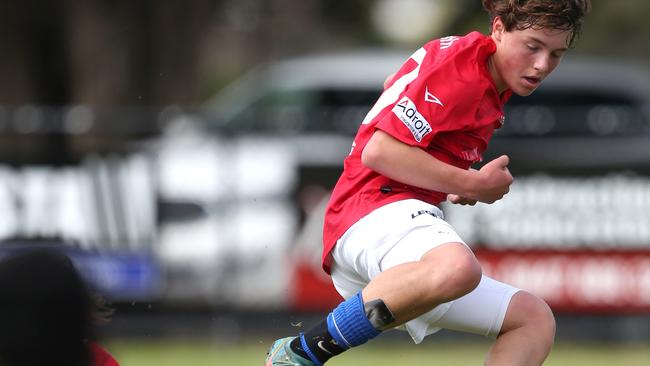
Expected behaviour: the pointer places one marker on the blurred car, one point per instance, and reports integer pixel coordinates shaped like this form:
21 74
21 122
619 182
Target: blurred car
588 116
313 104
312 101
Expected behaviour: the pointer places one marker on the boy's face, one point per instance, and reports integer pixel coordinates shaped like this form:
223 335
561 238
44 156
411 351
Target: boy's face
525 57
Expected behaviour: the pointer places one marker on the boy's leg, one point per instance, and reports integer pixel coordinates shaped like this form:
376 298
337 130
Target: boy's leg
350 324
430 265
527 334
393 297
522 324
411 289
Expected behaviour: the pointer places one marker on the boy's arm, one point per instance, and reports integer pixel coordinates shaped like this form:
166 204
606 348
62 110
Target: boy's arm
414 166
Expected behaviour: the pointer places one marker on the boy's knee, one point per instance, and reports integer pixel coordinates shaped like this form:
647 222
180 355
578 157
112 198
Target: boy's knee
455 270
468 274
527 310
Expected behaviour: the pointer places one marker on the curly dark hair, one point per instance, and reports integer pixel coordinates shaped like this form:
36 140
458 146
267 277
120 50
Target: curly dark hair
566 15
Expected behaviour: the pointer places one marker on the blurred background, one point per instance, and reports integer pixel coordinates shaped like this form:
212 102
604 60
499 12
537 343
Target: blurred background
182 152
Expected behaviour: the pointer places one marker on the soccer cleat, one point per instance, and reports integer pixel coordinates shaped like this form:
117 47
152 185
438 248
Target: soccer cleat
281 354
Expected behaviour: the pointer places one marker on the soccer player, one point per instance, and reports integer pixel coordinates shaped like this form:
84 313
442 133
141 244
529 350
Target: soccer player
387 247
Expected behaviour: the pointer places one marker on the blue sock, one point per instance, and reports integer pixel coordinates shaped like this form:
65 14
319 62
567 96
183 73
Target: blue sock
349 325
345 327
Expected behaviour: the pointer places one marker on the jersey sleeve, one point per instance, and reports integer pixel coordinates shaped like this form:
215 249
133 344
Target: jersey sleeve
443 97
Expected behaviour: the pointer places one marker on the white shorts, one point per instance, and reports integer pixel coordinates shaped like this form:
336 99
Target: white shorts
390 236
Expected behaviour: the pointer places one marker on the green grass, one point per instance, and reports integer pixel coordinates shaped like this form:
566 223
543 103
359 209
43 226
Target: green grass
204 353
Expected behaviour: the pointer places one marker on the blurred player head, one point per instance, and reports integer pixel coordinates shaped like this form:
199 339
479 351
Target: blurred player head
531 38
45 311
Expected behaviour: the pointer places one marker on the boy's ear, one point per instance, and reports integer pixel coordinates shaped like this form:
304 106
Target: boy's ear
497 28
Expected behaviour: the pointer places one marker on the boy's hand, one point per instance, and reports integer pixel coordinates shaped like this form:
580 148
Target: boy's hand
460 200
494 180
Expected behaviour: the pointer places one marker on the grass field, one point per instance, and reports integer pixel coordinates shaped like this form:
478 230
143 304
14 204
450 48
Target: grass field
203 353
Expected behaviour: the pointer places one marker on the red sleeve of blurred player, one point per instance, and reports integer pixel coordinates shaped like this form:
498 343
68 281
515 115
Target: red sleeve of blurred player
100 356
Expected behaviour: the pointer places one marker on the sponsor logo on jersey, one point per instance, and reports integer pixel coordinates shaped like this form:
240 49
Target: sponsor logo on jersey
406 111
428 97
446 42
471 155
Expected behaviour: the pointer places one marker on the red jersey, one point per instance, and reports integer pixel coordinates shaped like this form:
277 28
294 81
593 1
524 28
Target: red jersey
99 356
443 100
